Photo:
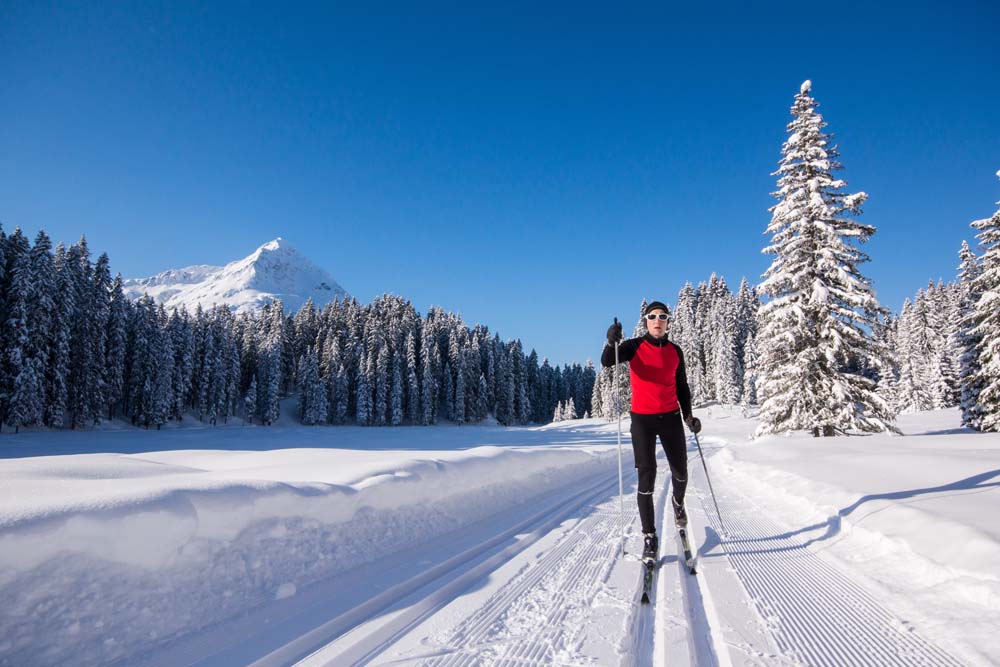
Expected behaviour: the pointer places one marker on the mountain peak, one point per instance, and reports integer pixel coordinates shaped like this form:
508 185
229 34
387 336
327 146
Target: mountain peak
275 270
277 244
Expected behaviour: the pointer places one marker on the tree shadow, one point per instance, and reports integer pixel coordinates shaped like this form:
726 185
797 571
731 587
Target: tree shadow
980 482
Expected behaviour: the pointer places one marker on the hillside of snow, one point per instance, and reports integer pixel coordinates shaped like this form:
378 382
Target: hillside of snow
275 270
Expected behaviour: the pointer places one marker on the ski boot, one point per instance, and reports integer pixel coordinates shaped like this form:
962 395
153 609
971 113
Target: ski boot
680 516
649 548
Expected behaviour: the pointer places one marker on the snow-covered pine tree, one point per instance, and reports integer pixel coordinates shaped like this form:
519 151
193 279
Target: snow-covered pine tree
913 388
482 402
340 396
182 339
23 394
57 372
161 389
99 314
250 401
382 375
725 353
412 383
986 321
396 393
312 396
821 308
640 329
749 389
522 406
970 381
504 410
557 414
42 320
569 411
458 409
363 414
685 333
746 327
887 333
597 395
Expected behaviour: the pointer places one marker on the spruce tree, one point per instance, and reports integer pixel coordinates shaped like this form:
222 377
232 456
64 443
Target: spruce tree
250 401
985 320
821 308
970 380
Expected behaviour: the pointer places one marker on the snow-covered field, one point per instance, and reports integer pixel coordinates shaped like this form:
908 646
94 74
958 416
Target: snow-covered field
487 545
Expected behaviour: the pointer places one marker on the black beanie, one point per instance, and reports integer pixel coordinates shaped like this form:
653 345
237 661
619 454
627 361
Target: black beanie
654 305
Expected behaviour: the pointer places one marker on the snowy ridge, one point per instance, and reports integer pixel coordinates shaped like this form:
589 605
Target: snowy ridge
275 270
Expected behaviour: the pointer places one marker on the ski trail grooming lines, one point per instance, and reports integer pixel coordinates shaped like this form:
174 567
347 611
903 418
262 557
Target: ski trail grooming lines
707 477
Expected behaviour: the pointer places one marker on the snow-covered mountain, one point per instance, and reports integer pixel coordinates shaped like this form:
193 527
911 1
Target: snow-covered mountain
275 270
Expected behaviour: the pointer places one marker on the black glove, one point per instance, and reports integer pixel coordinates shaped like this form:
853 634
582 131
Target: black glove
693 423
614 332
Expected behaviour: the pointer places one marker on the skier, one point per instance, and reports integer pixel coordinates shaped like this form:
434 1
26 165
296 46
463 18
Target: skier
660 395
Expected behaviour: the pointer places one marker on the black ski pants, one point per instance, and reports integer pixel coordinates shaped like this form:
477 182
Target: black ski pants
670 428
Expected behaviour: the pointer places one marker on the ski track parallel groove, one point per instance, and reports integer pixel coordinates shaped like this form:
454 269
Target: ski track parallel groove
371 644
584 555
824 617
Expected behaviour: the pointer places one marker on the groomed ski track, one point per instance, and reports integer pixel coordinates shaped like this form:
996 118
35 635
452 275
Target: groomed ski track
549 586
574 602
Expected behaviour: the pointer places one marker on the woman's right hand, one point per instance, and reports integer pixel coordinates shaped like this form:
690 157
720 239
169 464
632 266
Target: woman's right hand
614 332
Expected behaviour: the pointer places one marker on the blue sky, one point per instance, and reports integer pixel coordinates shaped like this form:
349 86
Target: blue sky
540 170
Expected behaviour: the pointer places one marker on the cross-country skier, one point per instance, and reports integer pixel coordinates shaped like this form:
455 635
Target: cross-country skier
660 395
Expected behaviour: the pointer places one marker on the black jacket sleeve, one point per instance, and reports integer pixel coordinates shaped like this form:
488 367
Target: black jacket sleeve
626 350
681 380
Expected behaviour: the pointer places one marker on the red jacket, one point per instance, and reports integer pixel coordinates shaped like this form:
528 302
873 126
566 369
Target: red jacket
659 378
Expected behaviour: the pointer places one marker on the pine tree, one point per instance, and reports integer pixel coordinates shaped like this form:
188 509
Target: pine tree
23 394
412 382
42 324
114 356
685 333
250 401
381 385
985 320
458 409
749 390
366 368
569 412
396 396
820 304
482 404
342 393
57 372
970 380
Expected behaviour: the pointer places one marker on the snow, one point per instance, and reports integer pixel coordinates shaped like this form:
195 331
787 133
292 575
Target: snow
287 545
275 270
805 87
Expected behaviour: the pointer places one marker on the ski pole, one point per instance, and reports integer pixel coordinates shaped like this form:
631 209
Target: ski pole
705 466
618 409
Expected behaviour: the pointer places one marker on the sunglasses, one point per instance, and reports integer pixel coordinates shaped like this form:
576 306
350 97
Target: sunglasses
656 316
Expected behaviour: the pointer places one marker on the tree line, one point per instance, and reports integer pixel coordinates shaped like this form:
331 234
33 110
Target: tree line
75 351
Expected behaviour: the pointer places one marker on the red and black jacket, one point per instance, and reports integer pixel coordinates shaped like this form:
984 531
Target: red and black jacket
659 379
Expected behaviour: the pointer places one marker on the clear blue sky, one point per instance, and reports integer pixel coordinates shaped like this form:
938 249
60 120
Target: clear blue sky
538 170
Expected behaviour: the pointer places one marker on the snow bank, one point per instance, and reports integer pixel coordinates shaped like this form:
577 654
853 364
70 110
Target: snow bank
91 543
